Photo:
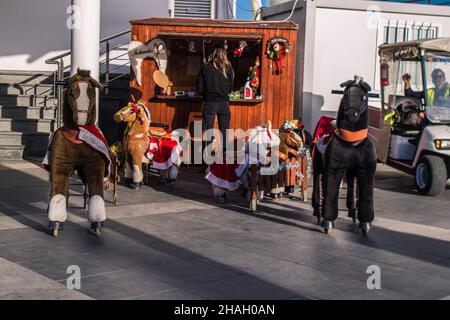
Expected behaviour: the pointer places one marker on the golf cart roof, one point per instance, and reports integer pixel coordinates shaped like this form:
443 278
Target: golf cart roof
411 49
437 44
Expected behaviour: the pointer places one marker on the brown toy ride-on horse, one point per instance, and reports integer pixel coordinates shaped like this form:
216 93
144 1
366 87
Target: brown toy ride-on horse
78 145
146 142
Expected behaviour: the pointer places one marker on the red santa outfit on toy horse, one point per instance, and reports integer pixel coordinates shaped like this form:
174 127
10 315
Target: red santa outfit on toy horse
146 144
79 145
228 176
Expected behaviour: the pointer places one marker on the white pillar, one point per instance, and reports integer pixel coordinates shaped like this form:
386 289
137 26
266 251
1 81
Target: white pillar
85 37
256 5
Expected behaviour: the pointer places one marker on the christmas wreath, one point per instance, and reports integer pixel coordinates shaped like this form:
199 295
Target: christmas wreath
276 51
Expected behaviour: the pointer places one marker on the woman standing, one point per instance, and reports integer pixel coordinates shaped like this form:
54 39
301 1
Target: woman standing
215 82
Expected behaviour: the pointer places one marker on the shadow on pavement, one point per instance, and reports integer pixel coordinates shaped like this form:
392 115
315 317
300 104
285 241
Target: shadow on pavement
124 263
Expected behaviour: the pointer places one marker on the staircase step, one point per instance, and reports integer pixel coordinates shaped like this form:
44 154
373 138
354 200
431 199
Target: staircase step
26 89
23 113
28 77
27 125
11 152
35 143
26 100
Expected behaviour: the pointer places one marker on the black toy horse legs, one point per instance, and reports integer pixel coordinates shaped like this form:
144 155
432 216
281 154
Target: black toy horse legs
334 173
360 160
318 182
365 174
352 203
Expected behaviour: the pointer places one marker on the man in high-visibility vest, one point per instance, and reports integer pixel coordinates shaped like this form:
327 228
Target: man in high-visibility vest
437 96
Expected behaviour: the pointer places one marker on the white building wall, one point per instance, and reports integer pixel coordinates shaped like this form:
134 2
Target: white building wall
32 31
346 44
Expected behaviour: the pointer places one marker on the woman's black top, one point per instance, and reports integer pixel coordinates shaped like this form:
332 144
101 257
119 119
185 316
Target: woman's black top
213 85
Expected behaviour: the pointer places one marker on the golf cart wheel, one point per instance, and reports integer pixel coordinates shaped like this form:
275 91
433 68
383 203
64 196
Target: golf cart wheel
430 175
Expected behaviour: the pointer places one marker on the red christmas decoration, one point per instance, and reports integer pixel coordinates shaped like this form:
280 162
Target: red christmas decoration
276 50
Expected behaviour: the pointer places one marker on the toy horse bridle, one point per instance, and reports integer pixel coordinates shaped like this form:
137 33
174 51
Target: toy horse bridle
136 109
351 112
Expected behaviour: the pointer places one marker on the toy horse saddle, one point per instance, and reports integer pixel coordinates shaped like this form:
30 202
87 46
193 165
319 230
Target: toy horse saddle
71 135
158 130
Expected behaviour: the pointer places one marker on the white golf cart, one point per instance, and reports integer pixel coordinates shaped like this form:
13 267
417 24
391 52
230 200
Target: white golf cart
412 131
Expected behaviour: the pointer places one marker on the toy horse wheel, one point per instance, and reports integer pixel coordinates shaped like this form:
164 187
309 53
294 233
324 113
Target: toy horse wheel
96 228
253 204
98 232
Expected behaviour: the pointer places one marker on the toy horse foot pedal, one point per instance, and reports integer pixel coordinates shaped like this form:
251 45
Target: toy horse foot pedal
365 227
55 227
96 227
327 226
136 185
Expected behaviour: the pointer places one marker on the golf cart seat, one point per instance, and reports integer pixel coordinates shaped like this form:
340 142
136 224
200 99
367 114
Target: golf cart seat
407 121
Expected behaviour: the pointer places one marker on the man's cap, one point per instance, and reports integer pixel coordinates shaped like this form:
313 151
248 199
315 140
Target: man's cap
437 73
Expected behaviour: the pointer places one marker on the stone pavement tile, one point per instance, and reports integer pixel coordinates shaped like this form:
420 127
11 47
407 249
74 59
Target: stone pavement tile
263 241
434 247
314 282
420 285
146 239
8 223
122 284
353 267
441 267
55 267
407 259
184 273
76 245
17 282
243 287
126 247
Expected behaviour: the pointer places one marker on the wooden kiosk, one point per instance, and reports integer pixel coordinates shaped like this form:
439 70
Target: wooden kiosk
189 42
186 44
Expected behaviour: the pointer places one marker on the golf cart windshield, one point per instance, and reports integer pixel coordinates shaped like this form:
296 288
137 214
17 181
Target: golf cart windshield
437 93
392 83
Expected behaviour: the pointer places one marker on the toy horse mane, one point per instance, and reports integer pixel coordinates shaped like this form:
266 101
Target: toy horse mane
84 75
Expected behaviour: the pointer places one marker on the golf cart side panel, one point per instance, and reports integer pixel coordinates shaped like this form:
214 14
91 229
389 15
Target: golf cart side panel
374 124
426 143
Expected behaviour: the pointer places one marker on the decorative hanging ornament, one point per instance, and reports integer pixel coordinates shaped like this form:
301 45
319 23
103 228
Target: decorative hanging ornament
191 47
237 53
276 50
253 76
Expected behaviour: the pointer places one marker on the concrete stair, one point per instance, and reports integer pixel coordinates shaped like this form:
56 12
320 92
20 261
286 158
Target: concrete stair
27 113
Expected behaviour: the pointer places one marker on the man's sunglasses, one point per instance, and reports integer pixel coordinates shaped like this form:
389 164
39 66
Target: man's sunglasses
438 77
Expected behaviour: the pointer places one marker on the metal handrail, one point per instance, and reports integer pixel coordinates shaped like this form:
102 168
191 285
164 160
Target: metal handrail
59 80
116 35
65 54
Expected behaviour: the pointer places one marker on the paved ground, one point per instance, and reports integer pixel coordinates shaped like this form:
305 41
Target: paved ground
177 243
